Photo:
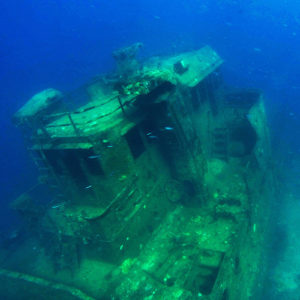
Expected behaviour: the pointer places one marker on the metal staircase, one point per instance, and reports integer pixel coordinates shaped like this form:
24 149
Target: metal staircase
47 175
219 146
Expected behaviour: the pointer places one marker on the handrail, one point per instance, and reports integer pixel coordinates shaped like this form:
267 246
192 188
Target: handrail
72 123
80 111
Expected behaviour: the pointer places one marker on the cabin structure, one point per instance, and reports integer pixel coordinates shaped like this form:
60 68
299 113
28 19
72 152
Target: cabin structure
161 187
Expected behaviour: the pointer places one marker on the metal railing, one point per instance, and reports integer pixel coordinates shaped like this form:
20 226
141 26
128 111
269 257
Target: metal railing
47 119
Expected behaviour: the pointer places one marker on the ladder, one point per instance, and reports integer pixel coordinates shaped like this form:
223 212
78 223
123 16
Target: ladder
47 175
219 146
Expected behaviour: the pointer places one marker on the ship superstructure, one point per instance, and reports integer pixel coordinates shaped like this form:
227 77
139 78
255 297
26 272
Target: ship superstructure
161 181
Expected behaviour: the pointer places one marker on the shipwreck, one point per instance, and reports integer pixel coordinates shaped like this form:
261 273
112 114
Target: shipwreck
160 181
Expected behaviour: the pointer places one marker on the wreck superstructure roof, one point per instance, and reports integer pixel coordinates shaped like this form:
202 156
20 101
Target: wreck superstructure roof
106 112
199 64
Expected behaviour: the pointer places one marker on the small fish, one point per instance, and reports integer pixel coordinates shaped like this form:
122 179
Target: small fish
93 156
58 205
149 133
152 137
109 146
168 128
88 187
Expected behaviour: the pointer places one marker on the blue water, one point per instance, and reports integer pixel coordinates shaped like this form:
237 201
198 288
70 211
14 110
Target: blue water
62 44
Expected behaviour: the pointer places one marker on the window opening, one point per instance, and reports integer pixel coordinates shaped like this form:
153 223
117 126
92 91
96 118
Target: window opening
91 161
135 142
72 163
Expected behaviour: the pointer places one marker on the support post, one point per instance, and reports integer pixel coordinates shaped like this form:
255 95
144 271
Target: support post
73 124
